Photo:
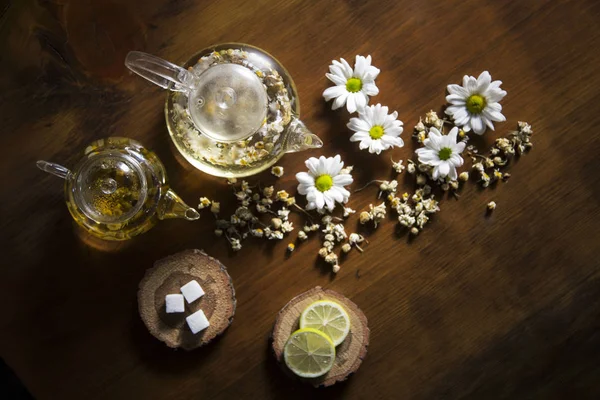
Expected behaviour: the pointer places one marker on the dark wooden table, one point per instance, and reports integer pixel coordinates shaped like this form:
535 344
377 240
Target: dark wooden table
505 306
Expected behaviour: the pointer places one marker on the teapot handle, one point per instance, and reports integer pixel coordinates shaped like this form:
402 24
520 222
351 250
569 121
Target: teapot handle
54 169
160 72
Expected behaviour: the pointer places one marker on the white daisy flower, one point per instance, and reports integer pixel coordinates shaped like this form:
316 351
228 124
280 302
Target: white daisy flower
352 86
324 183
475 104
442 152
375 129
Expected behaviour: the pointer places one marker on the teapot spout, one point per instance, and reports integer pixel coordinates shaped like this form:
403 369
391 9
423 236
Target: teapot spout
300 138
171 206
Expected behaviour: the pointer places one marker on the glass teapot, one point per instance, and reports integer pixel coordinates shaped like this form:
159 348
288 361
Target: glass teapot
231 111
119 189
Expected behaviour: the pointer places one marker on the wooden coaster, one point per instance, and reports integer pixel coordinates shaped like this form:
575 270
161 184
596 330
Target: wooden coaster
349 354
167 277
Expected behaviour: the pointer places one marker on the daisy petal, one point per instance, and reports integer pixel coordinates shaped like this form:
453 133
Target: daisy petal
444 168
340 101
351 103
477 125
333 92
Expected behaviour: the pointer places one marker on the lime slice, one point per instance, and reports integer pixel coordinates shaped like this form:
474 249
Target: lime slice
309 353
329 317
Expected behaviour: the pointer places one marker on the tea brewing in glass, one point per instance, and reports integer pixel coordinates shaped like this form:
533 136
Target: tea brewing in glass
119 189
232 109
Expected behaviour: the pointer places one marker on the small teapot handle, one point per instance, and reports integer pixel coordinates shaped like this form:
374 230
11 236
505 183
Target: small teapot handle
54 169
160 72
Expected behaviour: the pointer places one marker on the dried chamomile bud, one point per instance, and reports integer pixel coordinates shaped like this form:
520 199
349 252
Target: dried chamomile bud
204 202
397 166
277 171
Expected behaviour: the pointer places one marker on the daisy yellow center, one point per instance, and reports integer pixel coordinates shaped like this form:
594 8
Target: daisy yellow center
445 153
376 132
475 104
353 85
324 182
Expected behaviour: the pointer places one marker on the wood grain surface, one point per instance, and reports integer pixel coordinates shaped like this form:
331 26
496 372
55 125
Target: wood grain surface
499 307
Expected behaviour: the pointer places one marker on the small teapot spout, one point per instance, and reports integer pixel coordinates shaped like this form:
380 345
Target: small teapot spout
171 206
300 138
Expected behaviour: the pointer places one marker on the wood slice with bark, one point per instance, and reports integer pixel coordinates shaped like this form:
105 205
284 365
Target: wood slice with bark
167 277
349 354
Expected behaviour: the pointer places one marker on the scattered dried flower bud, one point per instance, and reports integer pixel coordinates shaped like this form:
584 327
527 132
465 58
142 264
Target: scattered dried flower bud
346 247
235 245
218 232
348 211
323 251
331 258
276 222
464 176
431 118
491 205
329 237
347 170
282 195
268 191
277 171
420 127
364 217
397 166
231 181
355 238
215 207
410 168
335 269
414 231
257 232
291 247
302 235
204 202
287 226
421 179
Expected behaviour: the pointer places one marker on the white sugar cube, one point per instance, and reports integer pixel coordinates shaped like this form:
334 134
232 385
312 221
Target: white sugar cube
197 321
174 303
192 291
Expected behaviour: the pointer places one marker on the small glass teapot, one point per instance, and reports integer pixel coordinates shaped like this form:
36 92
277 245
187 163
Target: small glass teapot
119 189
231 111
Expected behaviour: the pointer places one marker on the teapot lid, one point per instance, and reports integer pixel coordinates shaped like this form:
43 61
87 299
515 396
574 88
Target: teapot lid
110 187
228 103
